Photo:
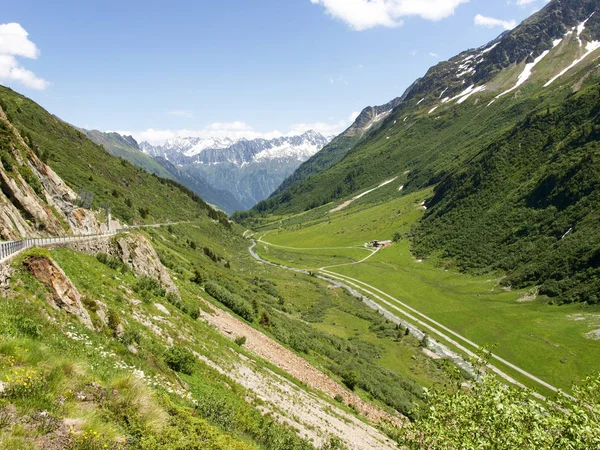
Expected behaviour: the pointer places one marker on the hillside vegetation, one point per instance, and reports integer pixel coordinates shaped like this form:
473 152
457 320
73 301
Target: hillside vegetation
127 148
528 204
133 194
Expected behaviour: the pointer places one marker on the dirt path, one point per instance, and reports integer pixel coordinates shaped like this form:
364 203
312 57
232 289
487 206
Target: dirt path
273 352
356 197
412 313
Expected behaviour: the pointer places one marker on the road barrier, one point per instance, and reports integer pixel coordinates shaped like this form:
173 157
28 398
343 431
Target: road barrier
11 248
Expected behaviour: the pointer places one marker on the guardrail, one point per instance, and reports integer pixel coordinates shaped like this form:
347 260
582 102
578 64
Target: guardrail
11 248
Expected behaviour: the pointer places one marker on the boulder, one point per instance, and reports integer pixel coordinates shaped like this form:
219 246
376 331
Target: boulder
63 293
137 252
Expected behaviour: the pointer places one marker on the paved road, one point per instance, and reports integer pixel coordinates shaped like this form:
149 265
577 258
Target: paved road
422 320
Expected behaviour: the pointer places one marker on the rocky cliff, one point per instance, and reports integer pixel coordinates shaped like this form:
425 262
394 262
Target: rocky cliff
34 200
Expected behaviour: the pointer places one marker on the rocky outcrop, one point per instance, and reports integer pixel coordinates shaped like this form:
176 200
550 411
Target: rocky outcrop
137 252
63 293
133 249
34 200
5 276
24 198
12 225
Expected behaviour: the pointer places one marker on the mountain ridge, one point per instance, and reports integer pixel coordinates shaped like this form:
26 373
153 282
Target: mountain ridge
470 74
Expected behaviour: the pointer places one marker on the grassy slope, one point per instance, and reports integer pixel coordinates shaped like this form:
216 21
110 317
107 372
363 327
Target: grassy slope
510 207
86 166
298 306
328 327
545 340
117 146
88 377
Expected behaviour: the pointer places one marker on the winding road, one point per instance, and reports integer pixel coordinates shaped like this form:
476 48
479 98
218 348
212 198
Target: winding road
412 317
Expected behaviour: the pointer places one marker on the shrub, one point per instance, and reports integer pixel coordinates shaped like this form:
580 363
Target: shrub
240 340
351 379
198 277
147 287
234 302
112 262
144 212
114 321
26 326
180 359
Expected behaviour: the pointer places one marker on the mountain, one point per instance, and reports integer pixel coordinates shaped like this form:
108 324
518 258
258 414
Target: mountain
189 146
463 129
368 120
559 41
50 167
248 170
171 335
127 147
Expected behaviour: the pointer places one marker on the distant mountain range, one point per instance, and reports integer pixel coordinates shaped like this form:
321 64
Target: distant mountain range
233 174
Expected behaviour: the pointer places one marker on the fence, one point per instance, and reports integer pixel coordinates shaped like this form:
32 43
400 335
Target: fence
11 248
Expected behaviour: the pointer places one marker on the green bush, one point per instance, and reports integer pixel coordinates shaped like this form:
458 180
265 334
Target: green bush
148 287
234 302
180 359
112 262
351 379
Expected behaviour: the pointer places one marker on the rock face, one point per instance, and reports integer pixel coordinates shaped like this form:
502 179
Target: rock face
134 250
137 252
5 276
64 295
34 200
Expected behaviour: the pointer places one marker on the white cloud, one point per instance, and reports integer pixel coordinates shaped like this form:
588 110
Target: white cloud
364 14
14 42
238 129
524 2
435 55
491 22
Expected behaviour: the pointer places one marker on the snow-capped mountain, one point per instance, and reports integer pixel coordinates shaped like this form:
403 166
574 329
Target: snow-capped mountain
188 146
249 169
190 150
548 46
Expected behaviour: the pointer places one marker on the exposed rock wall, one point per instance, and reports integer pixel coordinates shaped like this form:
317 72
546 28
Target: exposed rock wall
27 213
64 295
5 276
137 252
133 249
16 190
12 224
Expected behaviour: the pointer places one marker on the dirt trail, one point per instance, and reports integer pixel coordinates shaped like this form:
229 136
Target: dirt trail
437 328
285 359
348 202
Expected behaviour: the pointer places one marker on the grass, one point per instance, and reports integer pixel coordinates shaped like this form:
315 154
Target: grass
328 327
135 196
540 338
61 367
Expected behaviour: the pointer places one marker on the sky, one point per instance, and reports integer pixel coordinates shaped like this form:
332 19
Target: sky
233 68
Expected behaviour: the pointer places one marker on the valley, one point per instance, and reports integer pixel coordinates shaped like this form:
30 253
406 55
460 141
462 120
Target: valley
553 343
419 274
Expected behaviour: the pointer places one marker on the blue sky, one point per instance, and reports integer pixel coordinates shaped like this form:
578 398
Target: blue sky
238 67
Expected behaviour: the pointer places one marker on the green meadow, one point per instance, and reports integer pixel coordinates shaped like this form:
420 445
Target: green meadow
546 340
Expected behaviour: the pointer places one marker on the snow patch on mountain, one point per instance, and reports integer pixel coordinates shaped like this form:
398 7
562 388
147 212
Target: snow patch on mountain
210 143
590 48
524 76
285 151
